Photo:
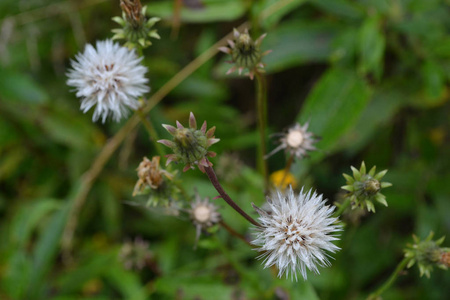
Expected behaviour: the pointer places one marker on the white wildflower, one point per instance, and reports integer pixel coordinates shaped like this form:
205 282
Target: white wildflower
296 232
110 77
203 214
297 141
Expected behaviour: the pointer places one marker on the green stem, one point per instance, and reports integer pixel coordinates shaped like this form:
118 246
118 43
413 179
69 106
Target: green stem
391 279
261 106
152 133
342 208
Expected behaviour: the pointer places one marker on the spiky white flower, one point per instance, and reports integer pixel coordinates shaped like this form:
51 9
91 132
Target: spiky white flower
203 214
297 141
109 76
296 232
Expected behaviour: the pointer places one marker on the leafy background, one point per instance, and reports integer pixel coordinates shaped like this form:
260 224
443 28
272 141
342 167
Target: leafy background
371 76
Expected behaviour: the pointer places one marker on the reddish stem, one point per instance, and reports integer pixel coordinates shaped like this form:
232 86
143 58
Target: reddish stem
215 182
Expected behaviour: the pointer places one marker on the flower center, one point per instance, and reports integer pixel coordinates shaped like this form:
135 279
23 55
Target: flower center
294 139
202 214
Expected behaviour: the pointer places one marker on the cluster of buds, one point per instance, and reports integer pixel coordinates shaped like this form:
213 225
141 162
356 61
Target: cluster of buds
203 214
297 141
245 53
190 145
153 181
134 255
428 253
136 28
364 187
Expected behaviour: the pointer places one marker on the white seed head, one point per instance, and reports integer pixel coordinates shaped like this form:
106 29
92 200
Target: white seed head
202 213
296 232
109 77
294 138
297 141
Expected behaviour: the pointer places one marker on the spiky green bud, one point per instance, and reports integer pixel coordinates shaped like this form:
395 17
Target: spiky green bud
245 53
190 145
363 188
427 254
136 28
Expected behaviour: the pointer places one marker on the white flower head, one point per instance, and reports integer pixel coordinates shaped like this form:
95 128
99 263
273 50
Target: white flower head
203 214
296 232
297 141
109 77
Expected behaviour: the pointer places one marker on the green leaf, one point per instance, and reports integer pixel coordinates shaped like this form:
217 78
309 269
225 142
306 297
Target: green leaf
334 105
25 222
297 42
371 47
18 87
271 11
45 251
343 8
213 11
73 131
127 283
434 81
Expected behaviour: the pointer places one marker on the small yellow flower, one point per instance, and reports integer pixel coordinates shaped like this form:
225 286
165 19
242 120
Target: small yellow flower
280 179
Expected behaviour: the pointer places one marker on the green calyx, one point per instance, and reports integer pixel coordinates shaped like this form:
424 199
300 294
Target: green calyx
363 188
190 145
426 254
136 32
246 53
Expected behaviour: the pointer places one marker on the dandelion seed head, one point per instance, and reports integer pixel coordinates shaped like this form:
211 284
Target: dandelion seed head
109 77
296 232
297 141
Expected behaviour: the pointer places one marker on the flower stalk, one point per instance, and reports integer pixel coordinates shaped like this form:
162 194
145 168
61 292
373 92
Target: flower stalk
391 279
215 182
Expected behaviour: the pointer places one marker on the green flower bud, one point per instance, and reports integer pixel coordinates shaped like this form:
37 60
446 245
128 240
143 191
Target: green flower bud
245 53
427 254
364 187
136 28
190 145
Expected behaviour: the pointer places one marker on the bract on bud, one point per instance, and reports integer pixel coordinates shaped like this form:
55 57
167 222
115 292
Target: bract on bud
190 145
245 53
136 28
364 187
427 254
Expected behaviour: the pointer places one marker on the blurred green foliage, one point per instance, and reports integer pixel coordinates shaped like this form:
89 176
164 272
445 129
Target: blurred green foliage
371 76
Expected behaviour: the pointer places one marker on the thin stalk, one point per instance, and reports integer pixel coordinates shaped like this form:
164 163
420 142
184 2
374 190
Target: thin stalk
391 279
152 133
234 232
261 106
341 209
215 182
287 169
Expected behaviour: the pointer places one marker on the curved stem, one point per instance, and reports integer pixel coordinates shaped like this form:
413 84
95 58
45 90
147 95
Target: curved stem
261 106
391 279
215 182
234 232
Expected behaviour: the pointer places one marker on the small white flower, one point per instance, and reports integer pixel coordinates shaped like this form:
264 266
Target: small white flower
110 77
203 214
297 141
296 232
